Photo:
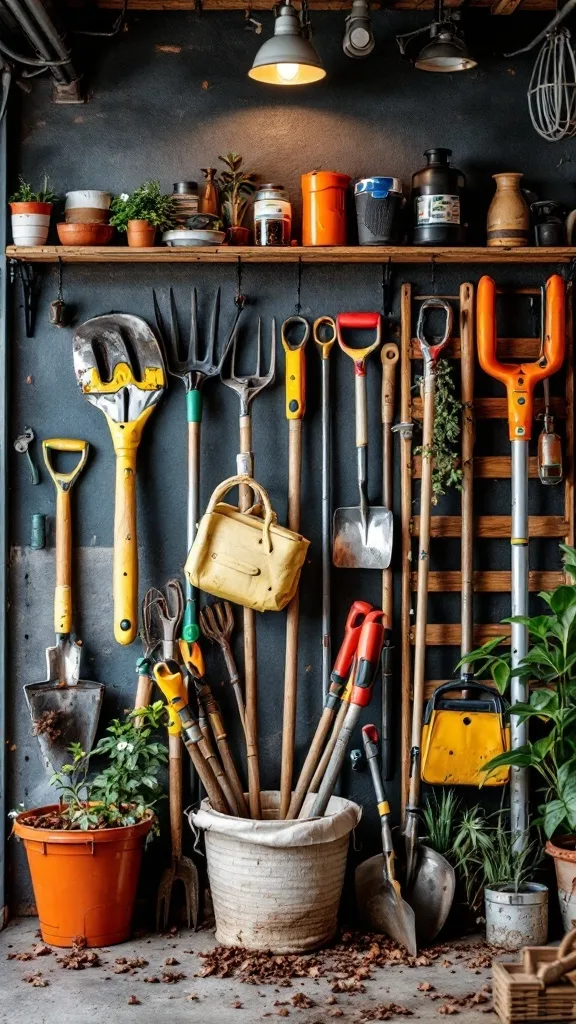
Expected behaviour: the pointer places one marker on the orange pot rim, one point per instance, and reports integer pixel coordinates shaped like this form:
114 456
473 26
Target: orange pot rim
76 836
560 848
31 207
139 220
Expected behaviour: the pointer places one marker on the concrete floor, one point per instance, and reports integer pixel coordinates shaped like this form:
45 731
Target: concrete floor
98 994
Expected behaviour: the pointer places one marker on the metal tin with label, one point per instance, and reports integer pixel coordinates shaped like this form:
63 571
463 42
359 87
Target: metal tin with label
438 191
272 216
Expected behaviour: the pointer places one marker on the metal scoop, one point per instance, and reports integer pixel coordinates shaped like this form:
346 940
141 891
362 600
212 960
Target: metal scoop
64 708
377 891
362 534
120 369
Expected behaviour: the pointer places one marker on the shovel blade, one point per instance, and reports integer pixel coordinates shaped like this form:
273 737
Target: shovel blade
62 715
362 545
431 893
381 905
63 661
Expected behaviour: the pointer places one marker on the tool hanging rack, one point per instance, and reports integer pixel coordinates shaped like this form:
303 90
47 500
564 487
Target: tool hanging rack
496 467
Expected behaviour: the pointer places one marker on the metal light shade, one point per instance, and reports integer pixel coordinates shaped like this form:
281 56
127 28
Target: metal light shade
446 51
287 58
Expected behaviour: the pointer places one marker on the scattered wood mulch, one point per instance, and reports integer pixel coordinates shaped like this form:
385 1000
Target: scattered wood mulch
49 725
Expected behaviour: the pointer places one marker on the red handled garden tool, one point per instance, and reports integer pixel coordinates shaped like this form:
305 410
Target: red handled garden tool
377 890
169 679
120 369
430 879
186 364
367 660
64 709
520 380
338 678
362 535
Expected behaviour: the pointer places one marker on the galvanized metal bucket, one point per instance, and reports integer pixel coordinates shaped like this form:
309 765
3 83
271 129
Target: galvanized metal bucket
516 919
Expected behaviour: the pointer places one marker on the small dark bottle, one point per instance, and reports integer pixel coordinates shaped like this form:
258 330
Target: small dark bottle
437 201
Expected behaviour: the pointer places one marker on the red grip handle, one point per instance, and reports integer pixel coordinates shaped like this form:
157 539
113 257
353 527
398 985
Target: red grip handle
371 733
364 321
354 622
368 657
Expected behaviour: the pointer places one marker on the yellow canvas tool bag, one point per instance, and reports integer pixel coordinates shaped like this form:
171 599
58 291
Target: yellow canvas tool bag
460 736
240 557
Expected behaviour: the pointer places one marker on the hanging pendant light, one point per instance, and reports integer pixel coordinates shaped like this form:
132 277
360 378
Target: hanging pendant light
288 58
446 50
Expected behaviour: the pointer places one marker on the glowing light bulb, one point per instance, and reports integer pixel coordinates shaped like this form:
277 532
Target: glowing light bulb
287 72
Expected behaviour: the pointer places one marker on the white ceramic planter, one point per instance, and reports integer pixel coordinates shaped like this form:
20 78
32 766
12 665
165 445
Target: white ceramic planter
87 206
30 227
516 919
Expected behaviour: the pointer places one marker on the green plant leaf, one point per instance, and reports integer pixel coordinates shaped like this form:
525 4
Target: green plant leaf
500 672
553 815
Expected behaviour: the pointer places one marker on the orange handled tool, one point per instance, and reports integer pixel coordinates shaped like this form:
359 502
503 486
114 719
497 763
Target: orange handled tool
520 379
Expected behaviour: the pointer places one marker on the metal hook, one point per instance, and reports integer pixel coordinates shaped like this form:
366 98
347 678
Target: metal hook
298 305
239 298
387 288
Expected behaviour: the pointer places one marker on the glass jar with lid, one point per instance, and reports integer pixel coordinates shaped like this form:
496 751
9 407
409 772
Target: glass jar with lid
272 216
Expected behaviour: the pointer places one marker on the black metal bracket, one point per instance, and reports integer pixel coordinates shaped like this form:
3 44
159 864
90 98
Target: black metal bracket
387 289
569 271
31 289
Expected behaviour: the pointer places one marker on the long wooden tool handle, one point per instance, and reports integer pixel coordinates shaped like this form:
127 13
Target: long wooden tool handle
292 621
210 756
143 692
250 655
429 387
219 732
328 750
175 793
206 776
467 544
311 762
125 572
389 356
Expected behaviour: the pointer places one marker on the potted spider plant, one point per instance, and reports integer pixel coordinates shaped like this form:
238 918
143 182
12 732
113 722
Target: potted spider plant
84 852
142 213
30 213
236 190
550 665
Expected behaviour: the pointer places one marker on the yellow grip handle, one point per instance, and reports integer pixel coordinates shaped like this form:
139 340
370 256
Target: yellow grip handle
295 368
172 686
126 438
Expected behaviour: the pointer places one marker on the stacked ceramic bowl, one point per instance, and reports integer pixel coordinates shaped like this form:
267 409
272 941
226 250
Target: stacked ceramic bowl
86 216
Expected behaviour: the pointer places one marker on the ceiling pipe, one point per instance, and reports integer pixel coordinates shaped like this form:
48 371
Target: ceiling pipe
34 20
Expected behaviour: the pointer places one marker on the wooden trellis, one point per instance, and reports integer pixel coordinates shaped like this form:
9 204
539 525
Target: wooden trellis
495 467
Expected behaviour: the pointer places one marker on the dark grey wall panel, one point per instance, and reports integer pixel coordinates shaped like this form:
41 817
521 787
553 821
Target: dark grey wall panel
150 116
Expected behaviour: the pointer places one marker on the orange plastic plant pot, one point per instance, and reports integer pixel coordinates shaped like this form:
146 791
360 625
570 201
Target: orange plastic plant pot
324 208
84 882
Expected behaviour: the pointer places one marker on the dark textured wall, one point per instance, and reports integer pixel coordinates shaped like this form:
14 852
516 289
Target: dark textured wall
156 113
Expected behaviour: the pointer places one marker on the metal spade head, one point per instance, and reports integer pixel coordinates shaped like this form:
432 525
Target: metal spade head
432 892
119 365
62 715
362 538
382 906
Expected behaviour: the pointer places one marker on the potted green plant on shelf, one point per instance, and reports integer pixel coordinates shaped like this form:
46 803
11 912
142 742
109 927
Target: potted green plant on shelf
84 852
236 190
550 666
30 213
142 213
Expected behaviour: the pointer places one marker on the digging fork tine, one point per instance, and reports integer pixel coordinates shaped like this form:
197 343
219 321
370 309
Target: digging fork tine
209 357
193 345
208 624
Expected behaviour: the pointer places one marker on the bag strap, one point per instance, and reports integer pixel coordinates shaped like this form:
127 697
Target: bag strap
270 516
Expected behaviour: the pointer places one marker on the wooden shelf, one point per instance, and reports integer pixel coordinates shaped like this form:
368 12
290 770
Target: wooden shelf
496 6
290 254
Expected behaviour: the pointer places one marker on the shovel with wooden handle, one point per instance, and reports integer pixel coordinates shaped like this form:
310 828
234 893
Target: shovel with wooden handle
389 355
64 708
120 369
362 535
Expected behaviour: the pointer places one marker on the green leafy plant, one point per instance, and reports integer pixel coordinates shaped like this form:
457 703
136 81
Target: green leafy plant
440 821
146 203
485 857
446 471
127 788
236 188
551 662
24 193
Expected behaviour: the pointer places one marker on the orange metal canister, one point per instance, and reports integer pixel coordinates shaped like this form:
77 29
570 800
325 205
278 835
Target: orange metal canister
324 208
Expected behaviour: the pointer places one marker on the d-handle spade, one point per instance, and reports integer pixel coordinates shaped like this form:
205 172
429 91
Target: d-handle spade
377 890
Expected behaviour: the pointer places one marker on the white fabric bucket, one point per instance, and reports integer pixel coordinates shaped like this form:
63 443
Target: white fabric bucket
276 885
30 228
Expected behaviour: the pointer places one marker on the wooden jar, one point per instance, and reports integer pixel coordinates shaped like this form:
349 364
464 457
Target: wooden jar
508 222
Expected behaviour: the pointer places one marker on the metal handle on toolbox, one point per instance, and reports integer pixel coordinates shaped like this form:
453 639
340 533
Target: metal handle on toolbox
521 378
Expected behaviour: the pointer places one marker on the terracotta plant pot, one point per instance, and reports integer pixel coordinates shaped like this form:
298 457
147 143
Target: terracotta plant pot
141 234
30 223
508 222
563 850
84 234
238 236
84 882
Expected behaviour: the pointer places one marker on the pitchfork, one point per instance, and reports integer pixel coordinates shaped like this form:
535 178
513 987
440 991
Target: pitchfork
184 362
247 387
